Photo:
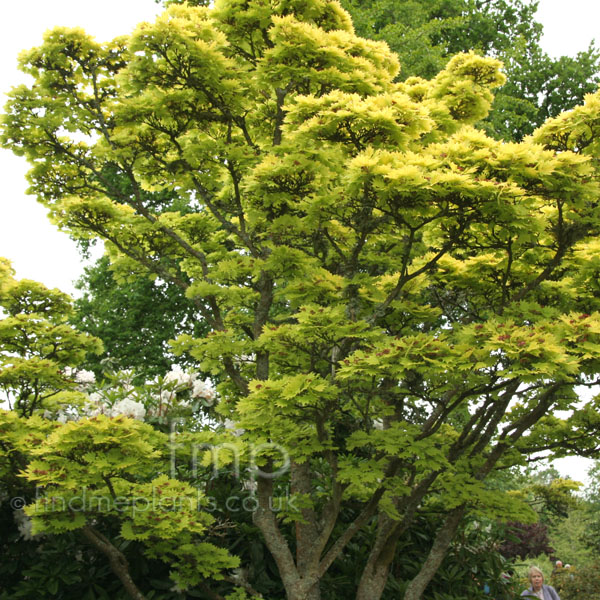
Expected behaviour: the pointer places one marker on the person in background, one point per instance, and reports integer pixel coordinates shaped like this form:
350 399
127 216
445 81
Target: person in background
537 588
557 570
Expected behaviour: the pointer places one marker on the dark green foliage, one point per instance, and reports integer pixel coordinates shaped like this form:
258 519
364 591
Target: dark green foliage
135 320
425 33
540 87
472 565
57 567
64 567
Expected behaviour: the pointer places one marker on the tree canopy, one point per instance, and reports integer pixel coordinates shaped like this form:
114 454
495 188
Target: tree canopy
426 34
135 317
38 348
399 305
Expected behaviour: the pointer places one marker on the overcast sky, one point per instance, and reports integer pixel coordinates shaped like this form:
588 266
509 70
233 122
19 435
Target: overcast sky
40 252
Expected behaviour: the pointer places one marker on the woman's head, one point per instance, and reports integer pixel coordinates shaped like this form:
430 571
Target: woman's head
536 577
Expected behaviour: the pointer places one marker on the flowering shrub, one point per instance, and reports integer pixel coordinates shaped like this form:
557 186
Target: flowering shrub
178 394
129 408
96 460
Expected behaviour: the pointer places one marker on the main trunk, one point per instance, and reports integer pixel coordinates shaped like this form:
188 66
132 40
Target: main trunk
303 590
436 555
375 573
372 582
299 574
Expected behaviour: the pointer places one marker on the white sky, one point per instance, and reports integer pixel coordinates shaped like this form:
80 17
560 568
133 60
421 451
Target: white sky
37 250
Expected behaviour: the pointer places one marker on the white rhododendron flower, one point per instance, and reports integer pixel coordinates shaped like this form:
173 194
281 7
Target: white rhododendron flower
95 397
178 376
129 408
166 396
82 376
203 389
154 399
93 410
95 406
85 377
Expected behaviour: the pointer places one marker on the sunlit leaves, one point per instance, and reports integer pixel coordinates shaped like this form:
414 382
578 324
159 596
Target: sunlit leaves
396 301
37 345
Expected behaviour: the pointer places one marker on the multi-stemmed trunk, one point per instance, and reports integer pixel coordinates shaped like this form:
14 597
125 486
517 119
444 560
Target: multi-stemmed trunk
436 555
300 574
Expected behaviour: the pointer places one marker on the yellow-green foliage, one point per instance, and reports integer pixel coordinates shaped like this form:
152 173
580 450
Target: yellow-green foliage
399 300
108 468
37 344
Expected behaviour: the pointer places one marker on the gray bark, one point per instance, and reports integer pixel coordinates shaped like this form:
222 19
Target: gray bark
436 555
117 560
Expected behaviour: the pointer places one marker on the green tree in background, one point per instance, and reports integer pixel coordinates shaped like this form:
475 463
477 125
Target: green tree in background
135 319
426 33
591 534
